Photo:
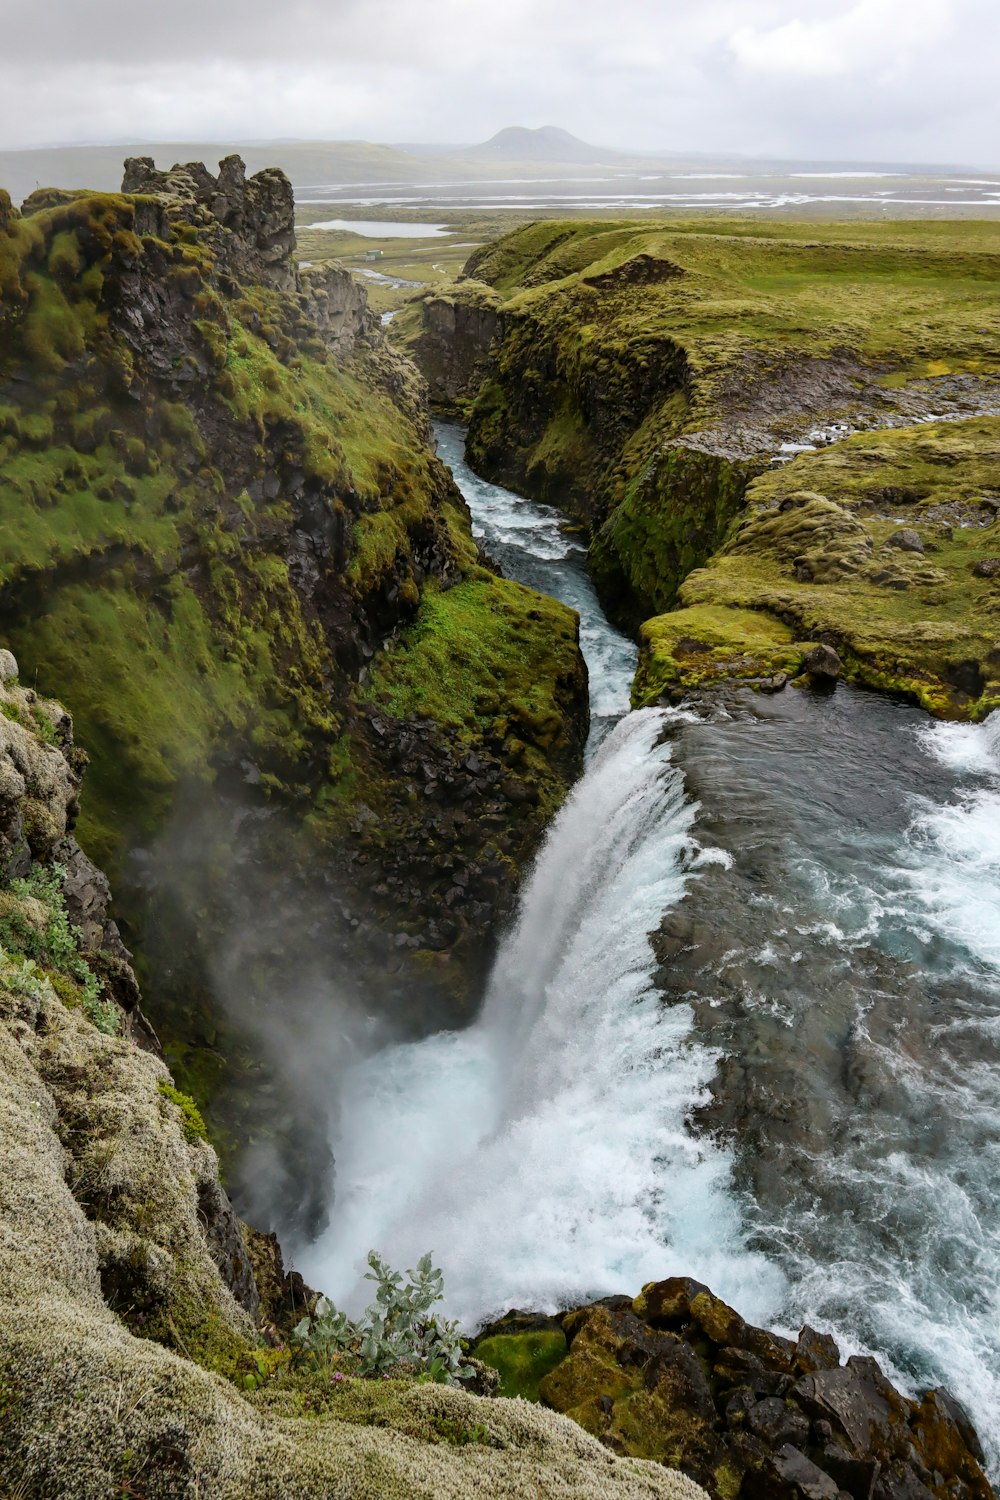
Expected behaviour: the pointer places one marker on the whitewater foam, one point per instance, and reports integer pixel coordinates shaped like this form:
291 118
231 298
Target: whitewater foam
544 1154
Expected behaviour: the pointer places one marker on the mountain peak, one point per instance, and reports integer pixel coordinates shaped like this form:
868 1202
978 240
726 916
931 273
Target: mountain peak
546 143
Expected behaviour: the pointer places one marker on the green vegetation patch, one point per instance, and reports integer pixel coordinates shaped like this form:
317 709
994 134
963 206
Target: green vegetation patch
191 1121
486 657
705 645
35 929
886 544
523 1359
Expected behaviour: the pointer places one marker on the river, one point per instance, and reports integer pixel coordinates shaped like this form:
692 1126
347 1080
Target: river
745 1028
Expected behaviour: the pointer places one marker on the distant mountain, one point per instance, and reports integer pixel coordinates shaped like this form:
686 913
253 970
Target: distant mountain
549 143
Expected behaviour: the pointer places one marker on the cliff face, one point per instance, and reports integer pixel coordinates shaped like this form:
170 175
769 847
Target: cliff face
450 338
228 543
662 382
130 1357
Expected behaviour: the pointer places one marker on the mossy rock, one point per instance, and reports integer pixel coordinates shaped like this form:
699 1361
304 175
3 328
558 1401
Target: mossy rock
523 1359
704 645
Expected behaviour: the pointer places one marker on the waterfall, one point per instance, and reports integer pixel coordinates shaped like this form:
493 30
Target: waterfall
543 1154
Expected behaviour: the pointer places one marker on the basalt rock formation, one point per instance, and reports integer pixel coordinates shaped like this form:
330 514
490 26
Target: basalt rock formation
677 1375
228 543
451 337
259 215
731 416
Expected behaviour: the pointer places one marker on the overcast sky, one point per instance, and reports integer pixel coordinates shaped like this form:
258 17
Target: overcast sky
907 80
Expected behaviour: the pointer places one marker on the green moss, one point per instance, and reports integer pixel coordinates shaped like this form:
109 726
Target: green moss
192 1123
812 552
487 657
702 645
35 926
523 1359
673 515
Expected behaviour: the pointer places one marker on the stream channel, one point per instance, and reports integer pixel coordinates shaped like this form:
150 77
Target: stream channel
745 1028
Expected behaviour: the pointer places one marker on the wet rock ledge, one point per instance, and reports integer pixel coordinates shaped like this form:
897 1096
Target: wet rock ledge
676 1375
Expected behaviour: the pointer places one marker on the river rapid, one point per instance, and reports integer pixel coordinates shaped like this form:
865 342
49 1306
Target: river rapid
746 1027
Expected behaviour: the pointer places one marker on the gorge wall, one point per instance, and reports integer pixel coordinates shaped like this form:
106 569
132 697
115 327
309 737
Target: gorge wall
229 545
791 436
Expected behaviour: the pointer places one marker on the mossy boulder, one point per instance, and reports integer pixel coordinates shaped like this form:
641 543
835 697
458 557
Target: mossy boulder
677 1375
704 646
523 1359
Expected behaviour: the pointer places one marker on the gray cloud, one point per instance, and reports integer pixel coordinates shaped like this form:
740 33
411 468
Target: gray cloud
872 79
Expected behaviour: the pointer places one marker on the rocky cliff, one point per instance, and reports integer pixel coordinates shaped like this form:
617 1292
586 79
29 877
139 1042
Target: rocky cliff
229 544
131 1361
661 383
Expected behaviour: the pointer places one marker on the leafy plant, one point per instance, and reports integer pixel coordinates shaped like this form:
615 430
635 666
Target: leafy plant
398 1328
57 944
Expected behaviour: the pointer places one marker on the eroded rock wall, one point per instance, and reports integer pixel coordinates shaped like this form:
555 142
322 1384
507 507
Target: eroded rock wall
228 542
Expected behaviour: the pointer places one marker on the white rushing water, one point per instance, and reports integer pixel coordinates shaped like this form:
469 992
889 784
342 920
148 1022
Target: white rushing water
863 991
533 544
841 927
543 1154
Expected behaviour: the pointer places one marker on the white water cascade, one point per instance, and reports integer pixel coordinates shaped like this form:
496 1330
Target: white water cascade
543 1154
837 940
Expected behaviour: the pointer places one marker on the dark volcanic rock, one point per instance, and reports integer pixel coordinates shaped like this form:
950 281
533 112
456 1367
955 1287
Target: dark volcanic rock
454 341
906 540
822 662
258 214
682 1378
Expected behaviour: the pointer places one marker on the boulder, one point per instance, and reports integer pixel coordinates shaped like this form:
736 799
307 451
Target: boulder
681 1377
907 540
822 663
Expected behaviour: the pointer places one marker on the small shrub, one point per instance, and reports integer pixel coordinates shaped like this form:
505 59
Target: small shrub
57 943
44 727
398 1328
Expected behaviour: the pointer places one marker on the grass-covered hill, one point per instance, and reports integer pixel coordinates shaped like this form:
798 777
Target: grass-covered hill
648 378
227 542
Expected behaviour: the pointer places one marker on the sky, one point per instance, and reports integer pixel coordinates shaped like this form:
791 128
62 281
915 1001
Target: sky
865 80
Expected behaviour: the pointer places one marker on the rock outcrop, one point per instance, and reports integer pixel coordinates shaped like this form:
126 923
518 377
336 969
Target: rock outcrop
451 341
258 215
677 1375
